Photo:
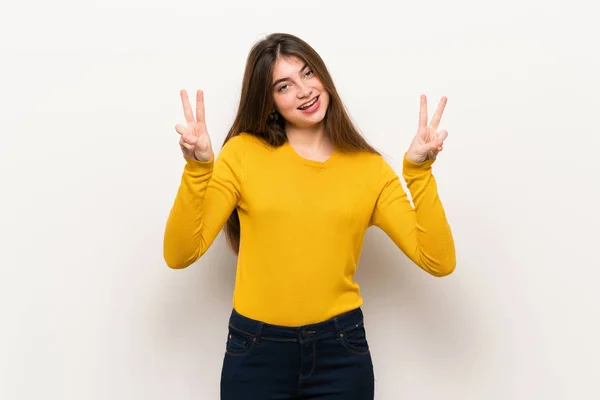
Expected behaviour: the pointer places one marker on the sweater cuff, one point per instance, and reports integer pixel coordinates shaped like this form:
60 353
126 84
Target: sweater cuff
407 164
199 167
412 170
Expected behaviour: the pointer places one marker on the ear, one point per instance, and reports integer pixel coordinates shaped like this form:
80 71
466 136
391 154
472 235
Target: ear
274 104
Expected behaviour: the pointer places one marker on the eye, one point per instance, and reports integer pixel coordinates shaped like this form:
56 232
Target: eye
309 73
282 88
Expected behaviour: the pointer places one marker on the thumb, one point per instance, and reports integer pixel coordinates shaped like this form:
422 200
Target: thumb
202 145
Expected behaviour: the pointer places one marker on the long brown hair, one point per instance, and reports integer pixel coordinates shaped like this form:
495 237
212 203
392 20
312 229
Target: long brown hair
256 103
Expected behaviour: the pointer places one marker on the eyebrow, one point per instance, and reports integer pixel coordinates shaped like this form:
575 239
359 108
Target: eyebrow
285 79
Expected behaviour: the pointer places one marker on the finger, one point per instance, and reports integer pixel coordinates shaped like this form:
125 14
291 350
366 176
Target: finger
423 112
187 108
182 130
435 145
437 116
426 134
200 106
185 133
185 145
189 139
442 135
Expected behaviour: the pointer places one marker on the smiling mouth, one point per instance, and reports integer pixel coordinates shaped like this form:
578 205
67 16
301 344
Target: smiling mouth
309 104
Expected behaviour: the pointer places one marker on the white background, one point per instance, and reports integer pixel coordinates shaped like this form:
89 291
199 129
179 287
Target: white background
90 165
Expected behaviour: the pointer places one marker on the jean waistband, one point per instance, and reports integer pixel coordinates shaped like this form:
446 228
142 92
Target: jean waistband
330 328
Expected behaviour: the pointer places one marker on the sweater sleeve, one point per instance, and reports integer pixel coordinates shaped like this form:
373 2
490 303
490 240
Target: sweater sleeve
207 195
422 232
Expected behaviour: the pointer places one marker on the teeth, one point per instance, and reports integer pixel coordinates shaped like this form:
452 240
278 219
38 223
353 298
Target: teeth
309 104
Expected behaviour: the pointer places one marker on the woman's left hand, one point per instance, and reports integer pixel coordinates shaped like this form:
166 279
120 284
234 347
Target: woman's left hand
429 141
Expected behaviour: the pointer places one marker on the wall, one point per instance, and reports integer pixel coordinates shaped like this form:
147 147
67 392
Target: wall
91 165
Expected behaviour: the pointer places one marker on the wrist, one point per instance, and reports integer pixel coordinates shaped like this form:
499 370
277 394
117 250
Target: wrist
194 161
415 158
410 165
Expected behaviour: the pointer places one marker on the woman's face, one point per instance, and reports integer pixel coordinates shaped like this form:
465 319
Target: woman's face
295 87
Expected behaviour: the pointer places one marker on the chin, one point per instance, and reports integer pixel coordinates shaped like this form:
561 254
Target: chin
306 122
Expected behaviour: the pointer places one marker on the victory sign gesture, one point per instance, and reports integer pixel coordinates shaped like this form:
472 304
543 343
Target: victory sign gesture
429 141
194 141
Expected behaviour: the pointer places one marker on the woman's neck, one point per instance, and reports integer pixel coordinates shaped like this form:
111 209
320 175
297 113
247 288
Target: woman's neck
312 138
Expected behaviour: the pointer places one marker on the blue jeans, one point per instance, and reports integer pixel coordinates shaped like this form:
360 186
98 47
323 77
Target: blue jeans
328 360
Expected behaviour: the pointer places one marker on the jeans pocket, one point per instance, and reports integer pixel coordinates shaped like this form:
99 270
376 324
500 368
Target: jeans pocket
355 339
239 342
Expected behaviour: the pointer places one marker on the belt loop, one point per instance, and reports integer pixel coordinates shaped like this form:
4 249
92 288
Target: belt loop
258 333
337 327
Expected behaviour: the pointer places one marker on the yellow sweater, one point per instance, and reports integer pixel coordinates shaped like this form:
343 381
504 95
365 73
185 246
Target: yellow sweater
303 224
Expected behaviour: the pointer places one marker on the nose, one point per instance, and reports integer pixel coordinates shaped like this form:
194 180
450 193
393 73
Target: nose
304 91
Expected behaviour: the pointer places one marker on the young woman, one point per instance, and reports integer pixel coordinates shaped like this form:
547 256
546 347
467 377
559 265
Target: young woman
296 186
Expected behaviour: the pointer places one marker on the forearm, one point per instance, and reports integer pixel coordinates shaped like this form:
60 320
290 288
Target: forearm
183 239
434 249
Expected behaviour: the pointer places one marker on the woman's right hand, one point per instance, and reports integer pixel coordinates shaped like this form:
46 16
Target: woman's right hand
194 141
